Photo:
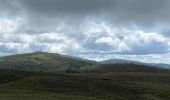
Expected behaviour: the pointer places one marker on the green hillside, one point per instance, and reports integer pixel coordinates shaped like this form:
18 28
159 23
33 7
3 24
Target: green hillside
24 77
122 67
43 62
19 85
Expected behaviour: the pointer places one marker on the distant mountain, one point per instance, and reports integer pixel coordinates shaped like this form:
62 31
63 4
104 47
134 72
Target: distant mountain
159 65
43 62
119 61
125 68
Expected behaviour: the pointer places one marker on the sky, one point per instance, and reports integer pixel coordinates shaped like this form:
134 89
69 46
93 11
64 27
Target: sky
94 29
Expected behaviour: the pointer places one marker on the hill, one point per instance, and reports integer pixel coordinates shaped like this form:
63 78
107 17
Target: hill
123 68
17 85
118 61
43 62
122 61
95 81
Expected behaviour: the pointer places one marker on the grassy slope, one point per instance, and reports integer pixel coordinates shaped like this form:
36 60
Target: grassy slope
97 82
110 68
83 86
41 61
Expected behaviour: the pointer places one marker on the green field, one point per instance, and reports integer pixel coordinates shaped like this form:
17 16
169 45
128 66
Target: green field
17 85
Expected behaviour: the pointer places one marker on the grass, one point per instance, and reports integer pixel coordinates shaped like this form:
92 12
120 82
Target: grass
84 86
42 61
40 78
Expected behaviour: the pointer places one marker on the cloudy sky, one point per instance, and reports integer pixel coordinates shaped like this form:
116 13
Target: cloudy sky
94 29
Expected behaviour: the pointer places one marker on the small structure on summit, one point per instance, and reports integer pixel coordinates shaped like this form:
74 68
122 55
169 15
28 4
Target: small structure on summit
41 50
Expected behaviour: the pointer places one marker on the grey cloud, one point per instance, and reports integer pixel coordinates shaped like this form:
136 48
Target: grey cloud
154 47
9 9
91 45
142 12
45 15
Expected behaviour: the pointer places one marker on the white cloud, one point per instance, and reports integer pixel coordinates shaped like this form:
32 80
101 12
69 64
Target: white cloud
107 40
9 25
95 35
116 43
57 42
95 38
141 38
16 38
121 39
